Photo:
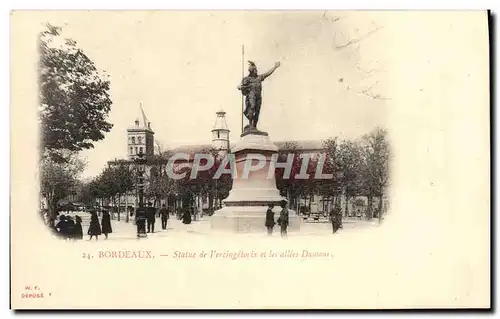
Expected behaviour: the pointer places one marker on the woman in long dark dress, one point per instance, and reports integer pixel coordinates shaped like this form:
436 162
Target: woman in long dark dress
106 223
70 228
62 226
186 218
270 219
78 232
95 227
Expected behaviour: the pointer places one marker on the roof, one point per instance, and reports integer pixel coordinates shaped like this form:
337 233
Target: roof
141 123
191 149
306 145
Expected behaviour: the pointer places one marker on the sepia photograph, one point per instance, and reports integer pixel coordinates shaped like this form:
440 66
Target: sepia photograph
238 159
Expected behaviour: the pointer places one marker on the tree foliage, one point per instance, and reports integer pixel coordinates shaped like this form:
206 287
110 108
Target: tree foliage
74 96
58 180
205 184
375 165
360 167
113 181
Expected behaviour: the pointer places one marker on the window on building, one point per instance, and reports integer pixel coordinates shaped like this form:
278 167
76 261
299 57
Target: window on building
133 140
131 150
136 152
139 140
218 134
140 150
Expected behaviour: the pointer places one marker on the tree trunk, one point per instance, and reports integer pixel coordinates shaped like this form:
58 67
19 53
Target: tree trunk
380 205
127 213
113 199
346 212
52 207
210 200
369 212
119 205
288 198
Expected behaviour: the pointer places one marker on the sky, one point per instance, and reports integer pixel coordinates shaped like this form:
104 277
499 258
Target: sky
184 66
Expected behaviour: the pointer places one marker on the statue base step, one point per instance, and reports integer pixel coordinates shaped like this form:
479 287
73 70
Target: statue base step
252 131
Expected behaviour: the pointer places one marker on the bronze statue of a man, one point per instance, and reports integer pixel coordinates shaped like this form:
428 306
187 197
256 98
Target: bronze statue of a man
251 88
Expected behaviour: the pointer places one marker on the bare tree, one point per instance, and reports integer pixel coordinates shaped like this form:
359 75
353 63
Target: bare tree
343 41
348 41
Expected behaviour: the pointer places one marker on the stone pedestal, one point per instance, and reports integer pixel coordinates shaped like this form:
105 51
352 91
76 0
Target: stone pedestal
245 207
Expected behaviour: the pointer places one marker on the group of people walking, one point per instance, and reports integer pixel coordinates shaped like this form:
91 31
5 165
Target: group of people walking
96 229
69 229
146 217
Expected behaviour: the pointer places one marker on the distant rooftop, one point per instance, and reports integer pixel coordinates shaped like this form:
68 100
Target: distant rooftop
306 145
191 149
142 122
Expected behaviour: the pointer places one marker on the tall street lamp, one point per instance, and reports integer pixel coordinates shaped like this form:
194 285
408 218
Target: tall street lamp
140 163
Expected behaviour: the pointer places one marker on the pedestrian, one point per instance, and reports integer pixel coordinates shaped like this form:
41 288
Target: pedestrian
186 218
165 214
62 227
106 223
70 228
151 217
140 220
94 227
78 232
333 220
336 218
283 219
270 219
339 217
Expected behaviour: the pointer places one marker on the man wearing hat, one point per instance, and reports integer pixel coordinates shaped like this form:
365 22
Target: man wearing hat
151 217
164 213
283 219
140 220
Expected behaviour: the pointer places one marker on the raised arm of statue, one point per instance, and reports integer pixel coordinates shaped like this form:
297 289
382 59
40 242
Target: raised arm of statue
268 73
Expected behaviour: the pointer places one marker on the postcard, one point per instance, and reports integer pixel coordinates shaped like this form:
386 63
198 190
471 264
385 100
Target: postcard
250 160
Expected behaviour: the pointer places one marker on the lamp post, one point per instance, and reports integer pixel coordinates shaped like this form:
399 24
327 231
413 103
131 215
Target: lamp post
140 162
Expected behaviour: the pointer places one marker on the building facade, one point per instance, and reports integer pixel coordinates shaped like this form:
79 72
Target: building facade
140 138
